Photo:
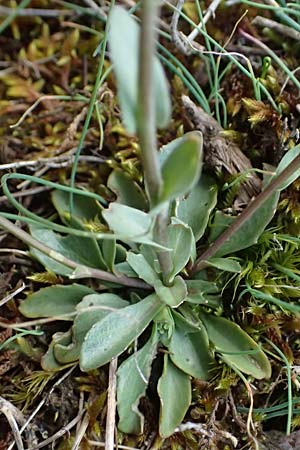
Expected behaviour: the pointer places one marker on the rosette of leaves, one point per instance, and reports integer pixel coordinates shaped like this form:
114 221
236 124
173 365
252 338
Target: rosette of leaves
177 317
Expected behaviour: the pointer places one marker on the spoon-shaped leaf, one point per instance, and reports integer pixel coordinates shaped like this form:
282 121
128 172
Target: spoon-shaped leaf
189 348
175 393
54 300
137 369
237 348
181 168
113 334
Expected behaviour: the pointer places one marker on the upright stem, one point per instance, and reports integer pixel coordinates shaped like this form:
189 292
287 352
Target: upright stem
146 113
147 126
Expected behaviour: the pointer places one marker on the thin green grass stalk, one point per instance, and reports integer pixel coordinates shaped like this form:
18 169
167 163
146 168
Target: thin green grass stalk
282 407
280 13
90 108
293 5
97 110
87 29
284 9
82 10
226 69
224 107
289 390
34 219
249 74
287 272
256 83
294 412
134 8
9 19
51 184
217 82
213 65
250 410
287 238
20 334
273 55
186 77
221 76
100 123
273 412
262 296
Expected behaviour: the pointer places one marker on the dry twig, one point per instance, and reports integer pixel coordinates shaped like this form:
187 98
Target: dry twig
276 26
111 406
220 153
13 416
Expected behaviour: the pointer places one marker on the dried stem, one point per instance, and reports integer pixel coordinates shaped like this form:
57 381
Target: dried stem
246 214
111 406
13 415
81 270
276 26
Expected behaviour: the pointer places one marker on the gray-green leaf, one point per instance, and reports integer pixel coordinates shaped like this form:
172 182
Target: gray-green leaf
195 208
129 224
251 230
124 38
143 269
84 208
181 168
189 348
48 361
108 247
82 250
225 264
91 309
137 369
113 334
54 301
202 292
181 241
172 295
175 393
237 348
128 192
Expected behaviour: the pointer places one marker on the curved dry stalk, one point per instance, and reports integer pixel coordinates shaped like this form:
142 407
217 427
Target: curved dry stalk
81 431
13 415
200 262
42 402
81 271
58 434
12 294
